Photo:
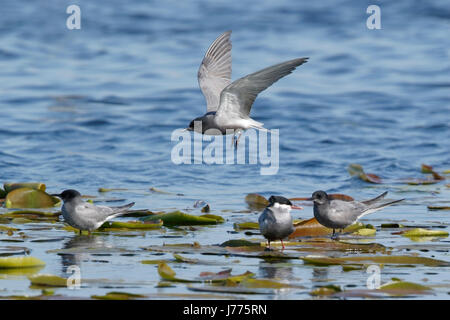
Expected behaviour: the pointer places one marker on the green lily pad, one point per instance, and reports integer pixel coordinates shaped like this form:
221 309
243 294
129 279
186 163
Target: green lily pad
438 207
326 290
178 218
365 232
401 288
265 283
246 226
49 280
396 260
115 295
179 258
20 262
31 185
239 243
131 225
111 189
256 201
30 198
358 171
420 232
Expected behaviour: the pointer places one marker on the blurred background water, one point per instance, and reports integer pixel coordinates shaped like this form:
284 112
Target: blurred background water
96 107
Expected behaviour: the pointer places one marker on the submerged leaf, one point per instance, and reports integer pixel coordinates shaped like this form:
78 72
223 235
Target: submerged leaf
429 169
256 201
30 198
358 171
178 218
20 262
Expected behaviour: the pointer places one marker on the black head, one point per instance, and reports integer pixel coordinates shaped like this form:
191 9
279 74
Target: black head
319 197
279 199
197 123
68 195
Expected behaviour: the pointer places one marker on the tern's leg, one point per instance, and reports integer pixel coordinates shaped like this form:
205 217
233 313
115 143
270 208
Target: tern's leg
282 244
240 134
79 231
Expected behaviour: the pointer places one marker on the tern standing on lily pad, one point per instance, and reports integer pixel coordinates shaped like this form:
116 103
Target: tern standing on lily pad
84 215
228 103
275 223
339 214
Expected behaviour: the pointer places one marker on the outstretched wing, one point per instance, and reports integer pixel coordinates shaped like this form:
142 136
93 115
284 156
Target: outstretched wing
237 99
214 73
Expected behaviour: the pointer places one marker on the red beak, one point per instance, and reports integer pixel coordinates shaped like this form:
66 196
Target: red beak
296 207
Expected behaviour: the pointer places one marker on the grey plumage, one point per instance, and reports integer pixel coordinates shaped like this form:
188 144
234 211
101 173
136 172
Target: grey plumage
338 214
275 222
87 216
229 104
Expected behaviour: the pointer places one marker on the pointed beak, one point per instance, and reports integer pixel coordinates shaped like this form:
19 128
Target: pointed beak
309 199
296 207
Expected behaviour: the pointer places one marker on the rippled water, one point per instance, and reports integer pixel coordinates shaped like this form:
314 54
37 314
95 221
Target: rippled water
96 107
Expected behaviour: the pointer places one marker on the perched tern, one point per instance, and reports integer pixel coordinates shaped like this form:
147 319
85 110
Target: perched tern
275 223
84 215
338 214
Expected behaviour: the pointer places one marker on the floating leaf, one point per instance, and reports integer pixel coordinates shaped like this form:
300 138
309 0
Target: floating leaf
20 262
365 232
179 258
115 295
438 207
246 226
429 169
152 189
326 290
30 198
398 260
239 243
256 201
401 288
358 171
420 232
213 216
392 225
131 225
31 185
312 228
47 280
265 283
178 218
111 189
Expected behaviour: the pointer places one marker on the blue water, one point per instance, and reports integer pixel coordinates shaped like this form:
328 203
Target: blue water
96 107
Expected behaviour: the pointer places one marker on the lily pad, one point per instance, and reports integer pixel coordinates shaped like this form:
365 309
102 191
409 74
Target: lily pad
312 228
20 262
115 295
365 232
178 218
395 260
420 232
438 207
30 198
402 288
429 169
131 225
358 171
17 185
256 201
49 280
246 226
325 290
